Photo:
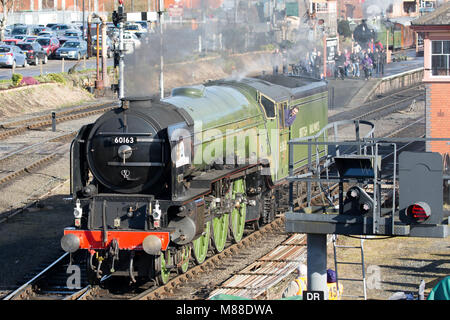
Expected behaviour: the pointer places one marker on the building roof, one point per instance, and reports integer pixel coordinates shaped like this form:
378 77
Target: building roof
439 17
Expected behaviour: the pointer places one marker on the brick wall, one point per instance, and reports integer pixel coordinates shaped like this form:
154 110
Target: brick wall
350 9
438 116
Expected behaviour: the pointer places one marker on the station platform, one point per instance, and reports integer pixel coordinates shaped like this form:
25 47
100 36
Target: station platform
353 92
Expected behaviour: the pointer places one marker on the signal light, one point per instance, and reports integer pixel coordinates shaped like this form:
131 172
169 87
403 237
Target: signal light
419 211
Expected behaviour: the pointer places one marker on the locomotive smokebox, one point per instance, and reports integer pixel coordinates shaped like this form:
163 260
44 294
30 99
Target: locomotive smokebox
152 245
70 243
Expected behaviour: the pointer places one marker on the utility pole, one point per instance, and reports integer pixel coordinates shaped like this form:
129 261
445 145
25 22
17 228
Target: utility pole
161 21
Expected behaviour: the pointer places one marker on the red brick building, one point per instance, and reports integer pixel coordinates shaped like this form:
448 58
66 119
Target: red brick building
350 9
435 28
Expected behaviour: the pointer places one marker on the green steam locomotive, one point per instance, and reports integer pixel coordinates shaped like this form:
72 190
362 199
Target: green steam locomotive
156 183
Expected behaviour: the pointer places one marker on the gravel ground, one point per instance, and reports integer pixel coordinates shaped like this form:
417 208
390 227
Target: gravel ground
203 285
393 264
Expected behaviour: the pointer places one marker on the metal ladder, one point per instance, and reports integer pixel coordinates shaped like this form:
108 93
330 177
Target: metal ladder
336 262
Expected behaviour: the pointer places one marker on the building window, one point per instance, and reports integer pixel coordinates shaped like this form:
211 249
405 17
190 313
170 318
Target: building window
319 7
409 7
440 58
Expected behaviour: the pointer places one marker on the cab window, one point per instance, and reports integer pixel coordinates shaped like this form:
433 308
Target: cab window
269 106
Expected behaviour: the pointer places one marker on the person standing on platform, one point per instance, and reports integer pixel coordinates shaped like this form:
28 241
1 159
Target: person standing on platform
276 59
312 59
355 60
317 65
284 61
347 62
383 60
377 60
340 65
367 66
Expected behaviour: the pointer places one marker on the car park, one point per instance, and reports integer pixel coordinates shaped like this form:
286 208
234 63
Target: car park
72 49
12 56
34 52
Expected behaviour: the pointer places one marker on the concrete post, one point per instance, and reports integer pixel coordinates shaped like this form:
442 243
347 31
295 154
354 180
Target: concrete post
317 263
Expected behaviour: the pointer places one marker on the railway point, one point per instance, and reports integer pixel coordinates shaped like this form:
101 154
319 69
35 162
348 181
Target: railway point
134 191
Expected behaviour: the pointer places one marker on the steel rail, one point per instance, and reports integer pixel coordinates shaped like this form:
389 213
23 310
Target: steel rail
23 288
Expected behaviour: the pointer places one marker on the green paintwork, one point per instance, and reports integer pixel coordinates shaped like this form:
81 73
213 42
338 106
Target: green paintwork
201 245
238 215
220 232
164 275
185 255
395 34
232 107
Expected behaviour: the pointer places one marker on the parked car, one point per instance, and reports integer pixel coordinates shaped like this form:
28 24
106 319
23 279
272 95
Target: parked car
64 39
34 52
30 39
144 25
21 37
109 46
22 30
37 30
73 33
11 41
48 33
50 45
131 41
72 49
133 27
60 29
12 56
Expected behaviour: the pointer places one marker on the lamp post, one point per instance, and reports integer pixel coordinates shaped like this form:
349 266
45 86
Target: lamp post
82 26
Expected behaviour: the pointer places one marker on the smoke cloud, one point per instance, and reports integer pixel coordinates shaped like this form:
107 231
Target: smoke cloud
222 35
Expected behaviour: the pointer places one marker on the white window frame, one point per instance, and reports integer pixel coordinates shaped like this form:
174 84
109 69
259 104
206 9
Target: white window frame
440 54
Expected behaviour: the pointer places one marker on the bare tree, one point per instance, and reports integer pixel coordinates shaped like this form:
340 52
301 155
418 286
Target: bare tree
6 6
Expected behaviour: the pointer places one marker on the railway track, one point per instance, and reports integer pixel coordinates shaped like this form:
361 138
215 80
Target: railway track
30 157
384 105
51 283
17 127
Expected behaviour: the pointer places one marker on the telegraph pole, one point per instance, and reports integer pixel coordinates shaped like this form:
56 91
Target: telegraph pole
118 19
161 20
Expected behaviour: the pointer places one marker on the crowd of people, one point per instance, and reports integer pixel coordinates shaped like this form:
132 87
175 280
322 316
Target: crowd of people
367 61
370 60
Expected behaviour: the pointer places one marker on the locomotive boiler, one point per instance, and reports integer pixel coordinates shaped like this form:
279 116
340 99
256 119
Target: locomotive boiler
155 183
